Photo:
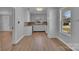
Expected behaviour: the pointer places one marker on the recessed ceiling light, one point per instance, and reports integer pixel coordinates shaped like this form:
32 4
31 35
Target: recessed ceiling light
39 9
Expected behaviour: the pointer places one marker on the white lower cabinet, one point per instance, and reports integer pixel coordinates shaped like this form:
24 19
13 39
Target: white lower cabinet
46 28
28 30
39 27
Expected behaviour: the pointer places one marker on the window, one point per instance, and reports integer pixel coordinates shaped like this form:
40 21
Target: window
66 21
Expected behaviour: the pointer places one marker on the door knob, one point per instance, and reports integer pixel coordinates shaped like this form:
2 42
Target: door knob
18 22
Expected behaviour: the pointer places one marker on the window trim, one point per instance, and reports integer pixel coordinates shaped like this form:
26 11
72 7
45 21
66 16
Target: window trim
61 22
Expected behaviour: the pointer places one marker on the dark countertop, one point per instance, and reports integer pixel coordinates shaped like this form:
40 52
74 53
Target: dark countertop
33 23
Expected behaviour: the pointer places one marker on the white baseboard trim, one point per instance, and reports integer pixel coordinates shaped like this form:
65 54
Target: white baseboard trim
5 28
66 44
27 34
18 40
50 36
76 46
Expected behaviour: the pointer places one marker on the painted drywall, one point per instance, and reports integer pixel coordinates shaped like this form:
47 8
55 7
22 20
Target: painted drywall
52 21
6 18
19 24
75 27
27 15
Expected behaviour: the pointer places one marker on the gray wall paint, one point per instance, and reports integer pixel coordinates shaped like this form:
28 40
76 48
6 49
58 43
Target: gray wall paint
26 15
19 28
6 18
52 21
75 27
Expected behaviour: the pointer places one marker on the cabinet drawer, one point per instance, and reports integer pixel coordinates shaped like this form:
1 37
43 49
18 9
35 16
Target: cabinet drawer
38 28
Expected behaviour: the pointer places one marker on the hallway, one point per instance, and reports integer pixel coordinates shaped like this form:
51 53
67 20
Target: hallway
39 42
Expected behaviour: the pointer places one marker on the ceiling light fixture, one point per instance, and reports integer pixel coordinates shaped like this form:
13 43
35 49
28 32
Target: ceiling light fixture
39 9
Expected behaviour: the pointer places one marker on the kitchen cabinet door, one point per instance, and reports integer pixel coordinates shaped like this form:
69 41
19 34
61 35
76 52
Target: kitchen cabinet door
28 30
38 27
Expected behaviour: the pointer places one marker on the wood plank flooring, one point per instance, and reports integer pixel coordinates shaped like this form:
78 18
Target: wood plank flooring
39 42
5 40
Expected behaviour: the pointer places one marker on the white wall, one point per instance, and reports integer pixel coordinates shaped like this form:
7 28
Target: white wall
19 28
6 18
52 22
27 15
75 27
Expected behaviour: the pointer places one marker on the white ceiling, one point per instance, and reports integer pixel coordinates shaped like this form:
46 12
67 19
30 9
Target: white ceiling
34 11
